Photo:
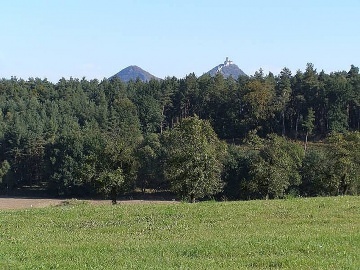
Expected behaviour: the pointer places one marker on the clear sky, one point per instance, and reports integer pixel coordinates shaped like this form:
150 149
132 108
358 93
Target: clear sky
96 39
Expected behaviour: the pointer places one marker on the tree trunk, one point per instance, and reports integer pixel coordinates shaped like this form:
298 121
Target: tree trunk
296 125
162 121
113 195
348 115
306 141
283 123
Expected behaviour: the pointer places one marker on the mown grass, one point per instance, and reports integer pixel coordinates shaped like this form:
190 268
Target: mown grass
316 233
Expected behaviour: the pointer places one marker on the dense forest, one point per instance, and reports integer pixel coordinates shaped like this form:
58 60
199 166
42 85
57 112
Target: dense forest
263 136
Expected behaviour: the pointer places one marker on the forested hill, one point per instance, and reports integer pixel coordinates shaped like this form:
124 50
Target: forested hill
228 69
134 73
86 137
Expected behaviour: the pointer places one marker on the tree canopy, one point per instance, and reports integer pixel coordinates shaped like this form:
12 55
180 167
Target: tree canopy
100 138
194 159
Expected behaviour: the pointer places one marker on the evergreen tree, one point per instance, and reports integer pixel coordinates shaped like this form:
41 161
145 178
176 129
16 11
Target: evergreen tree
308 125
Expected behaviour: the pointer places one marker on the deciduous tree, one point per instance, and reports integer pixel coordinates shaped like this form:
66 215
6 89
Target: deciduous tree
194 159
277 167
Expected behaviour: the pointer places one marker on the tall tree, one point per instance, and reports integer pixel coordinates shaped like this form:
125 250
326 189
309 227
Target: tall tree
150 173
168 87
353 77
339 95
4 169
277 167
258 103
283 93
308 125
343 154
297 103
315 173
194 159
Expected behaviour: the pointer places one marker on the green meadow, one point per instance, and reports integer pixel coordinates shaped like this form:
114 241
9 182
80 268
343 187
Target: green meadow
304 233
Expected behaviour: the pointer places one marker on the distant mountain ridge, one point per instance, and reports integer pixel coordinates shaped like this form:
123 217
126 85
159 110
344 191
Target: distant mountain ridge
228 69
132 73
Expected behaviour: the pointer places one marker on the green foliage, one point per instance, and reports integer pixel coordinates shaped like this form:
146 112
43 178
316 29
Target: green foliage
259 101
4 169
150 172
338 119
283 94
340 94
316 180
308 123
111 182
67 162
194 159
236 172
276 168
66 136
344 159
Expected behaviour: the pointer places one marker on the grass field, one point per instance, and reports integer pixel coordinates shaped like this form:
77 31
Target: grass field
316 233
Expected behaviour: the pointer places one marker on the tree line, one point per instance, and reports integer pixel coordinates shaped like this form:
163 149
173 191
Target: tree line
262 136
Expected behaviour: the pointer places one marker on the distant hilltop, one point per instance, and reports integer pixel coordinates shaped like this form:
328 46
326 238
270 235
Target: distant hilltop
133 73
228 69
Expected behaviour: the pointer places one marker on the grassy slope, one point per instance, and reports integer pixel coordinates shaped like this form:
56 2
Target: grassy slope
319 233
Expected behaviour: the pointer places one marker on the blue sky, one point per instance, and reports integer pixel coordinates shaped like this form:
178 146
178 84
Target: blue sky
96 39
